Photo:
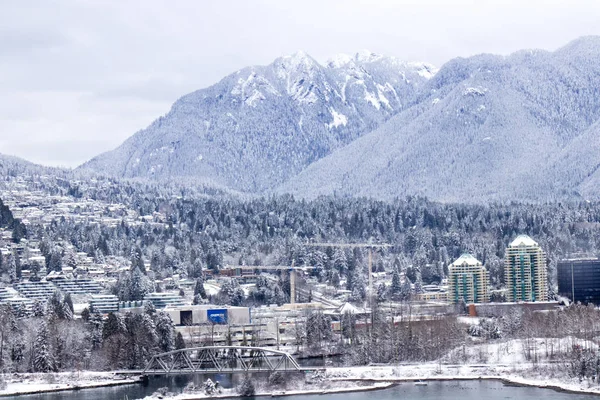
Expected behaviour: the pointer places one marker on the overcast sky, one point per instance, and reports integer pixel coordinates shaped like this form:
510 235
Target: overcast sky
79 77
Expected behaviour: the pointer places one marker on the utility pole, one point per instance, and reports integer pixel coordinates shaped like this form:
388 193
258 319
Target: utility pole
572 285
370 273
292 284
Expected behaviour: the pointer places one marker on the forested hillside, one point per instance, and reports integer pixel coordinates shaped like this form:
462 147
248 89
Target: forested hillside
426 236
485 128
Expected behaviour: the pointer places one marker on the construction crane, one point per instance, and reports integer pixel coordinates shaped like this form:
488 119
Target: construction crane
369 246
291 269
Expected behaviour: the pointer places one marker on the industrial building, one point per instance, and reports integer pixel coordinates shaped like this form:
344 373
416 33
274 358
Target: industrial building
579 280
468 281
205 314
525 271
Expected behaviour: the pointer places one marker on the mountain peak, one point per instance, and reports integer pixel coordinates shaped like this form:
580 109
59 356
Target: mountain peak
262 125
339 60
585 45
367 56
298 58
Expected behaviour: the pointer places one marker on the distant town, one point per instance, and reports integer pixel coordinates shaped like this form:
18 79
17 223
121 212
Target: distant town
150 280
88 279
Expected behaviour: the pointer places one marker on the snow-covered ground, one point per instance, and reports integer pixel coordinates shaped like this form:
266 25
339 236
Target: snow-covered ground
544 375
350 379
516 351
511 361
330 387
37 383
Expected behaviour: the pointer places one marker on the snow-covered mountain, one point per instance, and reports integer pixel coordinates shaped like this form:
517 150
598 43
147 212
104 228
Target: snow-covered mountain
262 125
11 166
524 126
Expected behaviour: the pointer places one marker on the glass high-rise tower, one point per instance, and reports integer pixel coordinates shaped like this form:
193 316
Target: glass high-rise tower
525 271
468 280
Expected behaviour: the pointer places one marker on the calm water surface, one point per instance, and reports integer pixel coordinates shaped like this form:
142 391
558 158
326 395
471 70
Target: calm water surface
463 390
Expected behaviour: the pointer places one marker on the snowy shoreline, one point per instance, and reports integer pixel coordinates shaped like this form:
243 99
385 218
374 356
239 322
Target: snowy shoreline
508 381
231 394
379 378
25 384
513 376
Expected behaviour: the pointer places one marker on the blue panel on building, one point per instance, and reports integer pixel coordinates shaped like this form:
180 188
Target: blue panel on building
217 316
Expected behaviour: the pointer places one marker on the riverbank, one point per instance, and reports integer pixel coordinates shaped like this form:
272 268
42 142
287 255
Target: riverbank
330 380
355 379
231 393
544 376
22 383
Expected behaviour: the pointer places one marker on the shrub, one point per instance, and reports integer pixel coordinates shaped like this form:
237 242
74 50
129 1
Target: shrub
246 387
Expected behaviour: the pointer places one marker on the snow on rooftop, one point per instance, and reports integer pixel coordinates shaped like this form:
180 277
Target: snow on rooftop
523 240
348 308
466 258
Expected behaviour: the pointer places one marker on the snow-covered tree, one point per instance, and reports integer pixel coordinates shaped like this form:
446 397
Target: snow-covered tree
179 342
43 360
246 387
165 332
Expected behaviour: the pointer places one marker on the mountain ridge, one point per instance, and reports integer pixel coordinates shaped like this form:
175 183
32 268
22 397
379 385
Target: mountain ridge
261 125
483 128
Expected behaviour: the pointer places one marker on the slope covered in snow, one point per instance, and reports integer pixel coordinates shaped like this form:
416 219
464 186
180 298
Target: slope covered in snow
262 125
483 128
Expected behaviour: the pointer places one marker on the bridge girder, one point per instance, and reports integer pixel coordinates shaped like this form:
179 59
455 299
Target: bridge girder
221 359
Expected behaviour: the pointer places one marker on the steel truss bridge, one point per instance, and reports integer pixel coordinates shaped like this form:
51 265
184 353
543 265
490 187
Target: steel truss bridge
224 359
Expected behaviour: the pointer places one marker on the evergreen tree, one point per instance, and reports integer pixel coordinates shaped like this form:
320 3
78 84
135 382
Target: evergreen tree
7 320
43 361
85 314
149 308
69 259
340 262
137 261
382 293
179 342
39 308
10 268
318 330
139 285
55 307
231 293
112 325
359 291
54 263
199 288
335 279
405 290
96 324
68 311
396 287
165 332
418 284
